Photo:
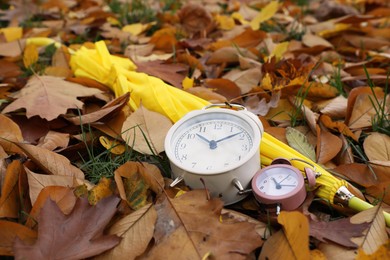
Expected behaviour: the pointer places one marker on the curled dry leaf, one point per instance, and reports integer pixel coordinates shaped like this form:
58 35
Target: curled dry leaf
51 162
9 133
195 18
246 80
53 140
135 179
9 199
145 131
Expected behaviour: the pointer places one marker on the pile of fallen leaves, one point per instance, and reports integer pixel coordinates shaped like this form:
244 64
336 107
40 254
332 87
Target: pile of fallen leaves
81 175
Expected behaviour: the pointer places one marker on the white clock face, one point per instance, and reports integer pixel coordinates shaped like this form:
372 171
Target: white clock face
277 181
212 145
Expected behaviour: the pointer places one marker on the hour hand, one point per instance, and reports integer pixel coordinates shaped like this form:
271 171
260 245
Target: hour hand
203 138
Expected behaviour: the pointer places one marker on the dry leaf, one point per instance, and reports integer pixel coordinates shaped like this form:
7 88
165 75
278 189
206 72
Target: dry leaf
9 133
262 107
30 55
63 197
376 234
377 147
145 131
337 125
328 146
9 199
37 182
136 231
229 54
299 142
199 230
382 252
195 18
53 140
11 231
49 97
224 87
246 80
312 40
100 191
51 162
75 236
290 243
207 94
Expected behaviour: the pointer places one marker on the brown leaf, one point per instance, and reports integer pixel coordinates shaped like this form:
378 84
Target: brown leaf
377 147
338 231
9 133
195 18
107 112
224 87
51 162
49 97
10 231
337 125
189 227
328 145
63 197
145 131
376 233
229 55
207 94
167 72
74 236
246 80
53 140
136 231
37 182
262 107
9 199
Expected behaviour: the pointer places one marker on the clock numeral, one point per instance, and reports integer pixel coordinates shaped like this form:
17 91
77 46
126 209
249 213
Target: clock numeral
261 187
183 145
202 129
191 136
209 167
241 136
239 158
217 126
226 164
193 164
244 147
183 157
231 129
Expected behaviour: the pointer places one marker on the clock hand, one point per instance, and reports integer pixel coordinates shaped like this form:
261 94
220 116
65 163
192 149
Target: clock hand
212 143
227 137
283 179
290 185
277 185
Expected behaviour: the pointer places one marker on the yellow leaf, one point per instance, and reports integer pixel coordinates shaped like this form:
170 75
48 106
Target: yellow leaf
237 16
266 13
113 145
383 252
135 28
100 191
30 55
279 50
225 22
187 83
12 33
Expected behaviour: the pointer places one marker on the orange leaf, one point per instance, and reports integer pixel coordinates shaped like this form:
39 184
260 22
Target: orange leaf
11 231
9 200
338 126
328 145
9 132
225 87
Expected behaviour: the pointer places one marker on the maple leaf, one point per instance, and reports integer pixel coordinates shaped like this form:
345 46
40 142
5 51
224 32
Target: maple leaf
49 97
74 236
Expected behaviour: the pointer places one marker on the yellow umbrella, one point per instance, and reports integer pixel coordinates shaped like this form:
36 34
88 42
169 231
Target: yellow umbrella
118 73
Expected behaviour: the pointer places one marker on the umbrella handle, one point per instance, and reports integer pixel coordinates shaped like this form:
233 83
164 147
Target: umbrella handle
360 205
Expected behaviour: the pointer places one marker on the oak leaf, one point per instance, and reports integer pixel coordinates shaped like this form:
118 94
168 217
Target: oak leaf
189 227
49 97
74 236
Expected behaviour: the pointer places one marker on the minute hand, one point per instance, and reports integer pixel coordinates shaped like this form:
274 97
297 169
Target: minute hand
227 137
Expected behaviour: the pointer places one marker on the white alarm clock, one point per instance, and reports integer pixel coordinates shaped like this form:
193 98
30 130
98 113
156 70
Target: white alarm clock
217 148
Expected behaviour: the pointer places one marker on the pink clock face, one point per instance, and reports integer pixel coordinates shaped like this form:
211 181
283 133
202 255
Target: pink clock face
278 184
